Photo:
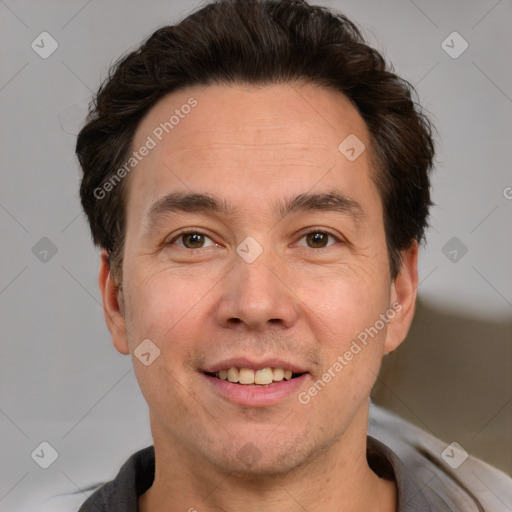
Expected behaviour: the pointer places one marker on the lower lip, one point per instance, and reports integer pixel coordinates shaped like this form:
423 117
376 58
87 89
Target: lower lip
256 396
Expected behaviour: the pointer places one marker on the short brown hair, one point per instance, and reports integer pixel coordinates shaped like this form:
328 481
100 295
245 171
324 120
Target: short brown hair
261 42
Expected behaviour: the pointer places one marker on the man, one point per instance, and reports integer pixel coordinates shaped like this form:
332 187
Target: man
258 182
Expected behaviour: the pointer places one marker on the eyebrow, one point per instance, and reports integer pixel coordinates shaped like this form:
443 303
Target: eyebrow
332 201
327 201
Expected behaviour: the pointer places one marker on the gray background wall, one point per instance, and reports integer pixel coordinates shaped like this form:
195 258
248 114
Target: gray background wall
61 380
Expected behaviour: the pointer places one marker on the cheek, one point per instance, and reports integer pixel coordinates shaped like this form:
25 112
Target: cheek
342 310
163 304
344 329
167 311
342 304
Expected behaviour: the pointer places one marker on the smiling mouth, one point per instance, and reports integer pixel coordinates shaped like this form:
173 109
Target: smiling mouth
248 376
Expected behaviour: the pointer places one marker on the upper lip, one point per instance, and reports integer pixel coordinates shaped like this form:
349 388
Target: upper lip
253 364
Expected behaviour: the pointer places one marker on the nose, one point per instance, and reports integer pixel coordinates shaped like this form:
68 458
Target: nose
257 296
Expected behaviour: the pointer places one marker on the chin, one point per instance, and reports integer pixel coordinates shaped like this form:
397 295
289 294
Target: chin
263 468
282 457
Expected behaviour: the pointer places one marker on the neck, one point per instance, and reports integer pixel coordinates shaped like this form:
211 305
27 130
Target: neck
336 478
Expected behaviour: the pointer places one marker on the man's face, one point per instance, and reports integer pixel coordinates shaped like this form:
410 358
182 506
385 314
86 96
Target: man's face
265 280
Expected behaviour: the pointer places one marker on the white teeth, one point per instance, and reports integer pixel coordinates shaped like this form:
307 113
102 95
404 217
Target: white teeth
278 374
232 374
264 376
248 376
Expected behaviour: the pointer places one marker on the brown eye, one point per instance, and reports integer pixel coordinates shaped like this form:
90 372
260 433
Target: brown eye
317 239
193 240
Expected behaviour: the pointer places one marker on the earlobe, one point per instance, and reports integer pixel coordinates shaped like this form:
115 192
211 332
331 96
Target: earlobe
403 298
113 307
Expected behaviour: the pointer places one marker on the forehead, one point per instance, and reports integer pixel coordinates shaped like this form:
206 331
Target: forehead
242 141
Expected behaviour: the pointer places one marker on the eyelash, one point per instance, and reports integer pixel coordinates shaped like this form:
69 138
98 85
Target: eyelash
323 232
309 231
184 233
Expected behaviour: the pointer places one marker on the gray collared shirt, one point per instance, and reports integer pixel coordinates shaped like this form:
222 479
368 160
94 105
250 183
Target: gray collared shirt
427 479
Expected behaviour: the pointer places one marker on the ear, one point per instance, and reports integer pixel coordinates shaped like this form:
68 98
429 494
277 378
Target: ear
112 305
403 294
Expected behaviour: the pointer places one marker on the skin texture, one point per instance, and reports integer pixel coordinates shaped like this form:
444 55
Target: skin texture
253 147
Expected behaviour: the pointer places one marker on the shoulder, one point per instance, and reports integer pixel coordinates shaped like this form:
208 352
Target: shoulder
443 473
460 480
119 495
